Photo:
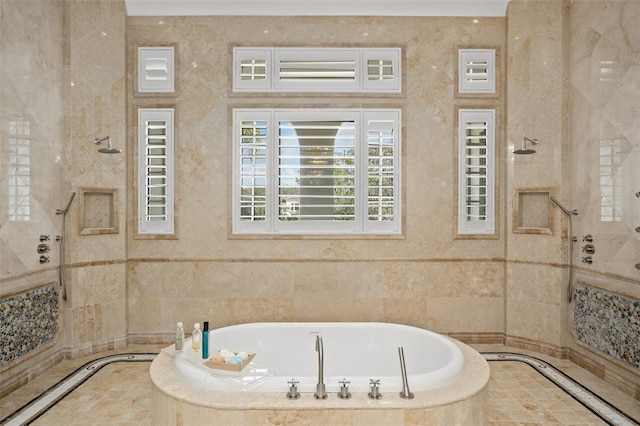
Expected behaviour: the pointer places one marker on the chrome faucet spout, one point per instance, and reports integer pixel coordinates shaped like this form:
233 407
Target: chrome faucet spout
320 389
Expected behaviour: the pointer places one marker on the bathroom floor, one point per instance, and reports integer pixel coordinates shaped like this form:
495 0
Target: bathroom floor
521 393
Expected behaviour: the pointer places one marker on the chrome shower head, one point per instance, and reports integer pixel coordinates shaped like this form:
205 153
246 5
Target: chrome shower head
109 149
523 149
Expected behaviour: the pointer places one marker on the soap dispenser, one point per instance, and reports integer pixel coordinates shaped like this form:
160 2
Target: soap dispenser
205 341
196 337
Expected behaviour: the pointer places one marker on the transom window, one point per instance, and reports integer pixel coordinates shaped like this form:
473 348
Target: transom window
304 70
303 171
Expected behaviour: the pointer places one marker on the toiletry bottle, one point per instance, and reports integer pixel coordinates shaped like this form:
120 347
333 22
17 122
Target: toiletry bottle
179 336
196 337
205 341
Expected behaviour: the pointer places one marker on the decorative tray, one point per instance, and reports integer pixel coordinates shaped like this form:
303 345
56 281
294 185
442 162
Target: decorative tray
229 367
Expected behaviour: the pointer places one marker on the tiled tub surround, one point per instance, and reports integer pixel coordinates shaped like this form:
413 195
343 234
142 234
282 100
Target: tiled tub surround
463 402
28 321
608 322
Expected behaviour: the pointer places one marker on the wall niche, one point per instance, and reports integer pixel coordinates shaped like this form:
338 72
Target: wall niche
98 209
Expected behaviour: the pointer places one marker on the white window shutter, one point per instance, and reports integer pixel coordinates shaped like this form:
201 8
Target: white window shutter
313 70
476 71
156 70
155 171
476 133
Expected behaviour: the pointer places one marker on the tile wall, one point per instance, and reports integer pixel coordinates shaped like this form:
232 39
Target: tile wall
67 70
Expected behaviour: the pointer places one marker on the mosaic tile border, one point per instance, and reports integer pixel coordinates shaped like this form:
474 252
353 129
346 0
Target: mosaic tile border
608 322
42 403
39 405
591 401
28 321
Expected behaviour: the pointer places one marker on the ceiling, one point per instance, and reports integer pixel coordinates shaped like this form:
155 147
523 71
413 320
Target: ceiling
475 8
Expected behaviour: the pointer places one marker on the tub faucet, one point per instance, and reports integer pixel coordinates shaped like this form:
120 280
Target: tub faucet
320 391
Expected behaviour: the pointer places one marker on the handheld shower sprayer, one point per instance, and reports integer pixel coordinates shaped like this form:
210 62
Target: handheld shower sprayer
523 149
109 149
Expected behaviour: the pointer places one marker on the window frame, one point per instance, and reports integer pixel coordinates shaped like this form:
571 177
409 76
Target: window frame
467 227
272 57
360 226
164 227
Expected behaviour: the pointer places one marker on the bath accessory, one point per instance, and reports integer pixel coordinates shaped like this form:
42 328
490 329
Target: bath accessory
179 336
572 240
406 393
344 389
61 239
523 149
293 389
42 248
374 392
205 342
320 390
109 149
196 338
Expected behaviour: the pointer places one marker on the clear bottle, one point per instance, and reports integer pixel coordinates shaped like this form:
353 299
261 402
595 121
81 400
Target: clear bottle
205 341
196 337
179 336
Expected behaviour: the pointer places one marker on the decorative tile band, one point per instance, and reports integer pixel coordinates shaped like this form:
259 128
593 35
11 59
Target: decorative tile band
27 321
608 322
42 403
39 405
591 401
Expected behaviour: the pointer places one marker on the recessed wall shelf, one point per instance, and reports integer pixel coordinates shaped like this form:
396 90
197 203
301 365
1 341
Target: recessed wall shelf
532 211
98 210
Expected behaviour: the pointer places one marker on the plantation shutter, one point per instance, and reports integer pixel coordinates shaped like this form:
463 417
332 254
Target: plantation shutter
155 208
476 71
475 200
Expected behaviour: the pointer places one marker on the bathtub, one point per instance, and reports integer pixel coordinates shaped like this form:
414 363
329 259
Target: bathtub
356 352
448 378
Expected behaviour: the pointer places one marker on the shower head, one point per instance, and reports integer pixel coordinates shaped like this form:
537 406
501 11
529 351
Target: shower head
109 149
523 149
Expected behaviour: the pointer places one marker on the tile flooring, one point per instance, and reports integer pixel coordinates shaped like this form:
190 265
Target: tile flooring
521 393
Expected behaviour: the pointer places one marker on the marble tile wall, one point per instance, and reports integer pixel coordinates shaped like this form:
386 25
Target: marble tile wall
63 80
604 148
572 83
206 273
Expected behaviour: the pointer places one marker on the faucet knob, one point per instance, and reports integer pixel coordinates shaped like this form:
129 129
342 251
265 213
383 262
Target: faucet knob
344 389
375 389
293 389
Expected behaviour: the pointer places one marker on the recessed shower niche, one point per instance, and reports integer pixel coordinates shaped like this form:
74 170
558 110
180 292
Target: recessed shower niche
532 211
98 210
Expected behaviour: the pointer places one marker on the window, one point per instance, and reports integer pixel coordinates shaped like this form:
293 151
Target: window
315 171
476 171
156 70
19 179
304 70
155 171
476 71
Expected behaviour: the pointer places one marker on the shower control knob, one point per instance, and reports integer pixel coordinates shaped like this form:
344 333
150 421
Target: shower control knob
637 228
44 259
43 248
44 237
588 260
588 238
637 265
638 194
589 249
